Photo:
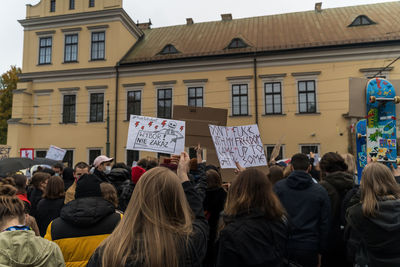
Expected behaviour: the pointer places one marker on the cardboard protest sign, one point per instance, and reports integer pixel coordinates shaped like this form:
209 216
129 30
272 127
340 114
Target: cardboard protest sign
26 153
156 135
240 144
56 153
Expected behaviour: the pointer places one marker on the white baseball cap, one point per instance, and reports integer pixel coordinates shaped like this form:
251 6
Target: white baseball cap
100 159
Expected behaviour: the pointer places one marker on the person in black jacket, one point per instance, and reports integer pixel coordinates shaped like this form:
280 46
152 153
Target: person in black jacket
102 167
68 177
120 178
373 226
308 207
337 182
50 206
158 228
38 183
254 224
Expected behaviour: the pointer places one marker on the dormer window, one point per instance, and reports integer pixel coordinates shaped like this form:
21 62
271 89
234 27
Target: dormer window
361 21
169 49
237 43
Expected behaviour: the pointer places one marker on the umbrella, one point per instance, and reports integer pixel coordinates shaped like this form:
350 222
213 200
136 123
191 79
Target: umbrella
14 164
44 161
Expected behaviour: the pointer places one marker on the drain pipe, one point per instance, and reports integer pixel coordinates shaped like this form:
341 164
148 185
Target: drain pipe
116 111
255 87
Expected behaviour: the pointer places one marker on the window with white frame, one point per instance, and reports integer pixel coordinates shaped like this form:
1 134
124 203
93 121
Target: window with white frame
195 96
69 108
93 154
307 148
96 107
270 148
307 96
131 156
164 103
71 48
45 46
98 45
134 103
273 97
240 99
69 158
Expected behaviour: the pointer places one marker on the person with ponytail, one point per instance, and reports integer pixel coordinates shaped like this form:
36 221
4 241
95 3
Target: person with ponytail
337 181
255 229
373 225
18 243
163 225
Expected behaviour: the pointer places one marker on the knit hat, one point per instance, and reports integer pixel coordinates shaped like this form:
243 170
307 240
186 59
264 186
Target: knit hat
137 172
88 186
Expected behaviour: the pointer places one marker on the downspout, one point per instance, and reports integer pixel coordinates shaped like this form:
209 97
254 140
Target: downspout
255 87
116 111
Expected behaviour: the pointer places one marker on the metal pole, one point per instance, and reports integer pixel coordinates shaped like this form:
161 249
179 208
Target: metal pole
108 130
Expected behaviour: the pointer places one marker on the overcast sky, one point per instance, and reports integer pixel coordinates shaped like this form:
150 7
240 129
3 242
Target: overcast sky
161 13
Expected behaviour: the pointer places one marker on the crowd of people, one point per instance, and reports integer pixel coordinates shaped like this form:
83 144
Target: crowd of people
180 213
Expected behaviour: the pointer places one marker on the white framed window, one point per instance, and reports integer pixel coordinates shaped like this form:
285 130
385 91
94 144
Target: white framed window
98 45
131 156
71 47
164 102
133 102
273 98
240 99
96 103
68 107
268 151
45 49
93 153
307 148
69 157
307 92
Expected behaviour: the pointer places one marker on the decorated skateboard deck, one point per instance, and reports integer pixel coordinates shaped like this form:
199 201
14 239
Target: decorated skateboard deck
361 144
381 121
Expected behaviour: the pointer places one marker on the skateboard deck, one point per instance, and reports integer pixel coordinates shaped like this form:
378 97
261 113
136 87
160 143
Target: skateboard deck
361 144
381 121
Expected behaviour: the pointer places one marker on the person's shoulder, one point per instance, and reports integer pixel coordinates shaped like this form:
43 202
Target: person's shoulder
280 184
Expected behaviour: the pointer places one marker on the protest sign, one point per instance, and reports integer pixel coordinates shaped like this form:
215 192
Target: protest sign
56 153
240 144
156 135
26 153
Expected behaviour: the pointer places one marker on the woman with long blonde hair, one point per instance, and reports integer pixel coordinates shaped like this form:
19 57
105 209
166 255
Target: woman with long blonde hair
164 224
373 226
254 229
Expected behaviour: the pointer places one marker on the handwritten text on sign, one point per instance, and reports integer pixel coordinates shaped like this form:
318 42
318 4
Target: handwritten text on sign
156 135
238 144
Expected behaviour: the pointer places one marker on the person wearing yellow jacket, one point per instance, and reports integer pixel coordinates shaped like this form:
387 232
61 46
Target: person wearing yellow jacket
83 223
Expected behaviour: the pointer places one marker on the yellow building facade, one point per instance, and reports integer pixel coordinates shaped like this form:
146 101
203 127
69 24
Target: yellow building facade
288 73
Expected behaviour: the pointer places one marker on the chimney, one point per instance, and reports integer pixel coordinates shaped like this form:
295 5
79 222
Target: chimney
318 7
226 17
189 21
144 25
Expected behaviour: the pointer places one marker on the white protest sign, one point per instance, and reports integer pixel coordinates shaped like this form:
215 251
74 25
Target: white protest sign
156 135
56 153
240 144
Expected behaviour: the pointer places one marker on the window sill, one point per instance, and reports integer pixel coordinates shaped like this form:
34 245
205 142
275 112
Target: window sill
238 116
273 114
70 62
313 113
95 122
100 59
37 124
66 123
43 64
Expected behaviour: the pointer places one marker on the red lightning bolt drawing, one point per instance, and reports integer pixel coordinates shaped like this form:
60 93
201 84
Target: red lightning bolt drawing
163 123
150 123
142 127
136 124
155 127
181 128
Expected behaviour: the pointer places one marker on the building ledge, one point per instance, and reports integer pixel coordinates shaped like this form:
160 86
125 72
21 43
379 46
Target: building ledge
273 115
17 121
308 114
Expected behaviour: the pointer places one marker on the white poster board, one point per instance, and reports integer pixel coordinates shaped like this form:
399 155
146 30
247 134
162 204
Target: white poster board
240 144
156 135
56 153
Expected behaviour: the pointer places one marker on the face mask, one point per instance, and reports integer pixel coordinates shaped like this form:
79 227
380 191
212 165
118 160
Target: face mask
108 170
56 174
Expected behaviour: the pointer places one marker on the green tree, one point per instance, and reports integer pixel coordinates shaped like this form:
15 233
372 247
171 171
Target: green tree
8 82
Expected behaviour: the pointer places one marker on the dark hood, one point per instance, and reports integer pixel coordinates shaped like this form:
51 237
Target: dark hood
299 180
251 214
86 211
388 215
342 181
119 175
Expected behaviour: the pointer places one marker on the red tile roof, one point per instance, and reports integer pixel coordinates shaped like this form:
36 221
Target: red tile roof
271 33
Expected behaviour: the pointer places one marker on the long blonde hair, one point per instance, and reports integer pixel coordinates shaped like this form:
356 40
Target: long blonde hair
351 162
377 181
156 226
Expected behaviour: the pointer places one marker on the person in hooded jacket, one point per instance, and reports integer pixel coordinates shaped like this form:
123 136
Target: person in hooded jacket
84 222
102 167
308 208
18 243
373 226
337 181
254 230
68 177
50 206
120 178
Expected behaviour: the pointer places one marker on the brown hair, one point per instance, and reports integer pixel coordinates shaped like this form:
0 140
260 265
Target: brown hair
377 182
10 205
20 183
55 188
109 193
332 162
156 225
214 180
193 164
253 190
275 174
39 178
